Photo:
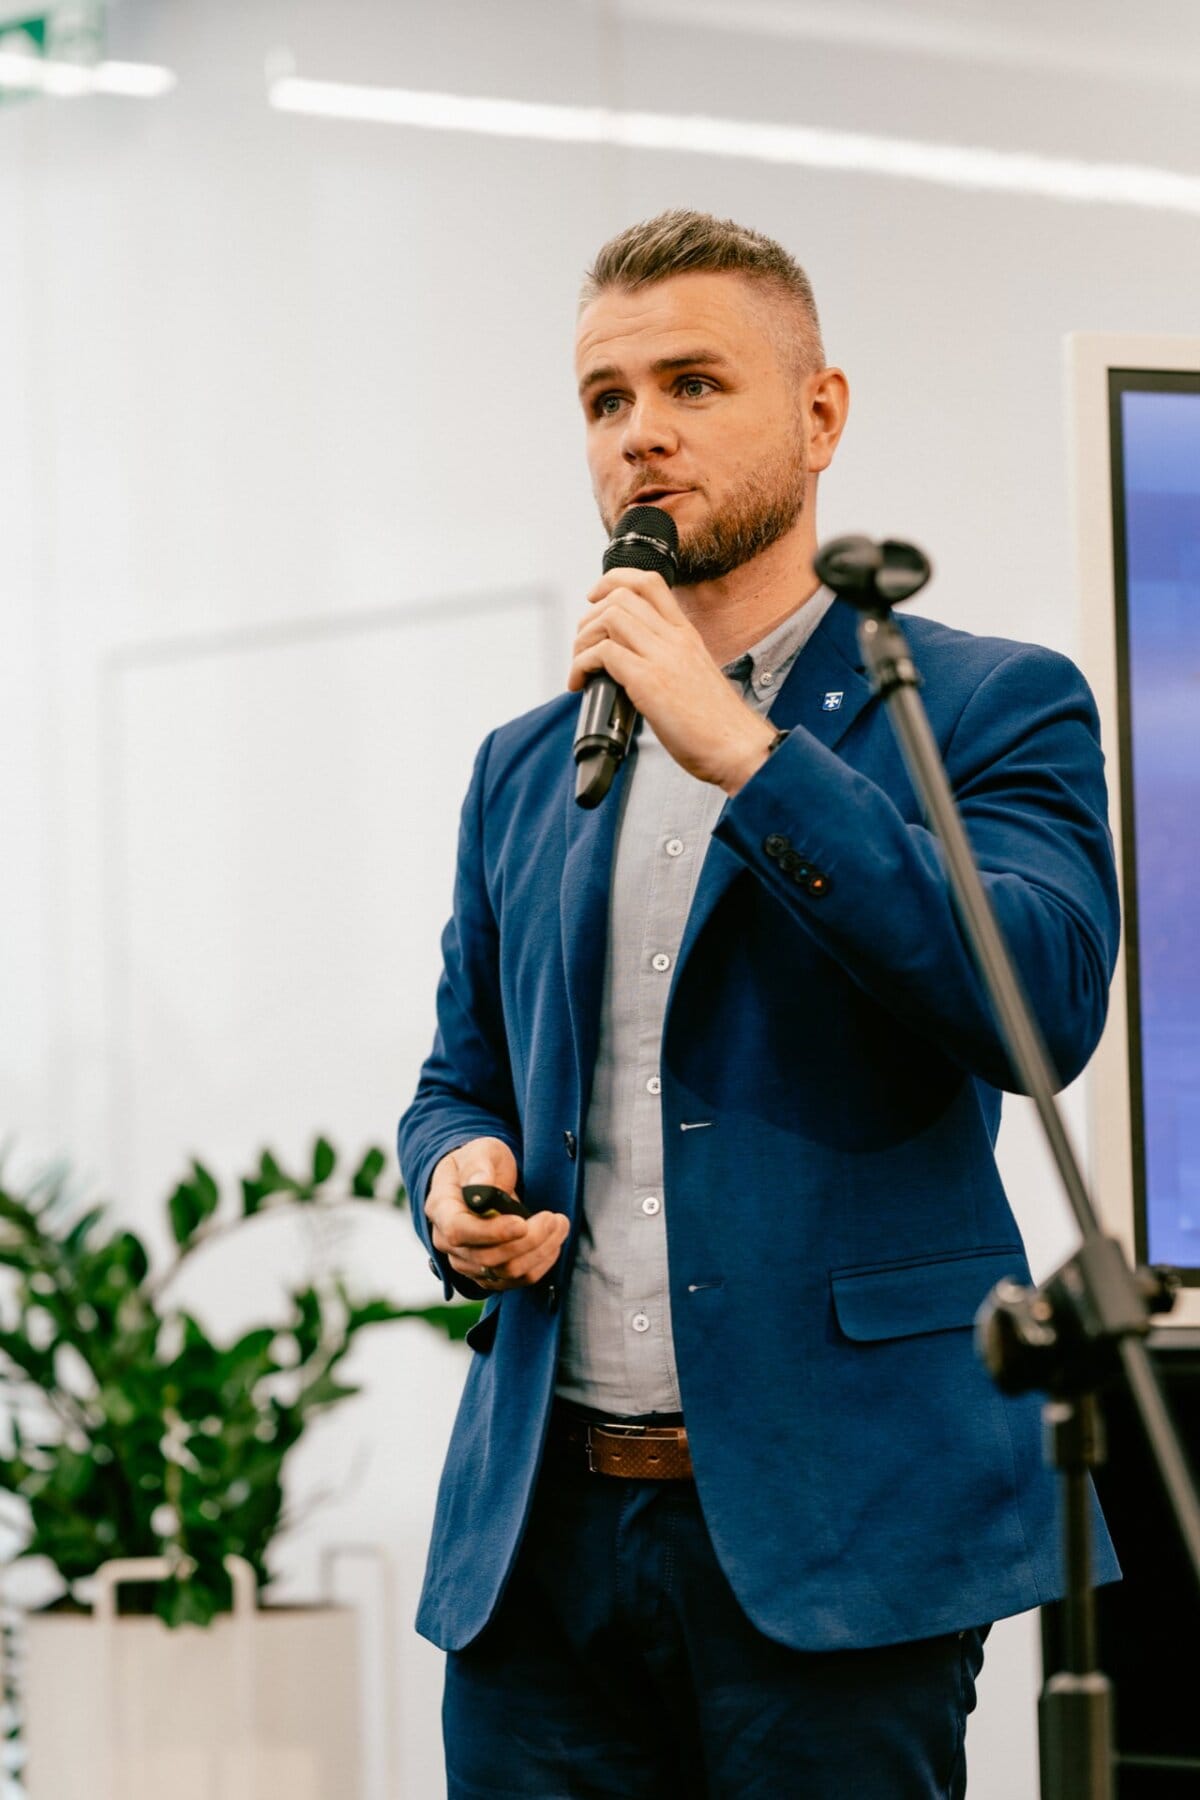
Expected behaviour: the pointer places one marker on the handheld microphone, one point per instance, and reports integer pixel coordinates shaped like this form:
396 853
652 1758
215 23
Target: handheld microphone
645 538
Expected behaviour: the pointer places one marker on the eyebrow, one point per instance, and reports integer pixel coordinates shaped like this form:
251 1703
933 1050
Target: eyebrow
711 359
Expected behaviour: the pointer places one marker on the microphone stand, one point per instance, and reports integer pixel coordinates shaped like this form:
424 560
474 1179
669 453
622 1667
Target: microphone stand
1086 1323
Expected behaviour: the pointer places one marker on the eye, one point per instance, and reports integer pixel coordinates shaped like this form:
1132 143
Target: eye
605 406
694 387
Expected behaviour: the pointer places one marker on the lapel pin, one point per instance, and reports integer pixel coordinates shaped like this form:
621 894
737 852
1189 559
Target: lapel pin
831 702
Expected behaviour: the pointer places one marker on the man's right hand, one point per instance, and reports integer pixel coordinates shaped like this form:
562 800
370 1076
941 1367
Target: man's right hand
504 1252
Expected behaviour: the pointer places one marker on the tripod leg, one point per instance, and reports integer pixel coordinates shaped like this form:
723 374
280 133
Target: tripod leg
1075 1713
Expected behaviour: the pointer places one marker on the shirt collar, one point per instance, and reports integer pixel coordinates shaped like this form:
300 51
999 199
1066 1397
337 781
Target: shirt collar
765 666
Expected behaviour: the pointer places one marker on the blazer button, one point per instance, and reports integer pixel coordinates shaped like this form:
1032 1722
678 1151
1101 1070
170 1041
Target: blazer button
551 1297
433 1264
818 885
775 845
570 1144
789 862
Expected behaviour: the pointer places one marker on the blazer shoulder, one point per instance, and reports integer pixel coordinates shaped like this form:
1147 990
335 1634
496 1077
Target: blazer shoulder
534 747
975 675
974 657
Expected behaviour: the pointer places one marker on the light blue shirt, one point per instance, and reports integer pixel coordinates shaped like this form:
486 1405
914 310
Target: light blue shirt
617 1354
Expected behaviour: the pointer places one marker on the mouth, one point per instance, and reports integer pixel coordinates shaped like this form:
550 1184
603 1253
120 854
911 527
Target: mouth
654 496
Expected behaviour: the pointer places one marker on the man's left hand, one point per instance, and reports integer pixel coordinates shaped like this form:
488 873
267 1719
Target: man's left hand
635 630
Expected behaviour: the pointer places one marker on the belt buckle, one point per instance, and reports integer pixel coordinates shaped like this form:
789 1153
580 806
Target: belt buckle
613 1426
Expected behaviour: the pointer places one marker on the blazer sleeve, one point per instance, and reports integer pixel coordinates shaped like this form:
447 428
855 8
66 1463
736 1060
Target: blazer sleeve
1026 768
465 1088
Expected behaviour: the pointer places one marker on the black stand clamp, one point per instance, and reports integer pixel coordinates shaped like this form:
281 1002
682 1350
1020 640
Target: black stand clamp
1088 1322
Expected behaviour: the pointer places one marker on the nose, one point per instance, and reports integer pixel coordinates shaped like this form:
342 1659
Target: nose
648 430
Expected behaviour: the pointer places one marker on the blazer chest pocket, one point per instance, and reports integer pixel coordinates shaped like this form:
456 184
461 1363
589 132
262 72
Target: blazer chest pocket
896 1300
483 1332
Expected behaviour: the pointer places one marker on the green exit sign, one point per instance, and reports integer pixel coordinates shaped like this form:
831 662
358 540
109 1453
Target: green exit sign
28 35
73 31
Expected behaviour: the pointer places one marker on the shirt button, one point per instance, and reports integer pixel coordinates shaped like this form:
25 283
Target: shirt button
654 1085
766 678
661 961
640 1322
674 846
651 1204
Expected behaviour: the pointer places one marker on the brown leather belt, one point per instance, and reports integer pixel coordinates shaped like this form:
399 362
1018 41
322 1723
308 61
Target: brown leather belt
637 1452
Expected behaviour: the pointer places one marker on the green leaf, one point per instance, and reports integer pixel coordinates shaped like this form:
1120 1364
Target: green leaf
130 1251
194 1335
207 1191
272 1178
326 1391
13 1475
252 1346
37 1364
308 1325
117 1405
253 1195
18 1214
193 1602
374 1312
79 1233
324 1161
20 1256
246 1363
184 1211
192 1203
367 1174
74 1472
455 1318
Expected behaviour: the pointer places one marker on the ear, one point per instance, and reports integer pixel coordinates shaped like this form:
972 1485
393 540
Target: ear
826 405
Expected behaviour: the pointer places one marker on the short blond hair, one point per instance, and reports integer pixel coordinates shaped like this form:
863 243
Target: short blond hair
682 242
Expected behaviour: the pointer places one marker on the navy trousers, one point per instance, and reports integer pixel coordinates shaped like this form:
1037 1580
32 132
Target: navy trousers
619 1666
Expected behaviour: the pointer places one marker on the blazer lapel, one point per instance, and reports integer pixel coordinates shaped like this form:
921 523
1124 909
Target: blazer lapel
583 900
824 693
827 687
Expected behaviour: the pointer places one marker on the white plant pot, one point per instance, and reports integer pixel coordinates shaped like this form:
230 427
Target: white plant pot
257 1706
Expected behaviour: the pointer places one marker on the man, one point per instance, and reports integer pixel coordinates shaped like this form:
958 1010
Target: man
730 1502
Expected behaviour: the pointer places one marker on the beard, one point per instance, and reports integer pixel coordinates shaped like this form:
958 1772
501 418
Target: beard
753 517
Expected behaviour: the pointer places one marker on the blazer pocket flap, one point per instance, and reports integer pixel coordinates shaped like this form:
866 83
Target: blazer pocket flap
483 1331
905 1300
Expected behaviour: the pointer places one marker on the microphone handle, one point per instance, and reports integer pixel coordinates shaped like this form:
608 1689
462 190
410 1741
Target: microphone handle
645 538
607 717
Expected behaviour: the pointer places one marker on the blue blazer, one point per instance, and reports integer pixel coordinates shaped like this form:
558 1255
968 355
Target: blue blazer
834 1228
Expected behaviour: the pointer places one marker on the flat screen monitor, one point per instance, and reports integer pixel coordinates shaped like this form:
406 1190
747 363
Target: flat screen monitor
1147 677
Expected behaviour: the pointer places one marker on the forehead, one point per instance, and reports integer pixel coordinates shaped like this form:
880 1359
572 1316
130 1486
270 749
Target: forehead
724 313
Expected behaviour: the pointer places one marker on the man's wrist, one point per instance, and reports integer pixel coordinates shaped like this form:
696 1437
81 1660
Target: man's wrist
766 741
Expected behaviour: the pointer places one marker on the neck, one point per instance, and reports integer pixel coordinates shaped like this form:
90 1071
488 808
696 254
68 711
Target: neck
735 612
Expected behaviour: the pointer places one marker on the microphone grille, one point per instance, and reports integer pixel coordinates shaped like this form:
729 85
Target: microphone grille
645 538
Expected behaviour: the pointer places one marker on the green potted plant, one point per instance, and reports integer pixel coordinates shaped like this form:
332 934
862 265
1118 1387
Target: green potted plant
131 1432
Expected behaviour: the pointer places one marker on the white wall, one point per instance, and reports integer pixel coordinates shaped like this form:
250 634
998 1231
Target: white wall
293 508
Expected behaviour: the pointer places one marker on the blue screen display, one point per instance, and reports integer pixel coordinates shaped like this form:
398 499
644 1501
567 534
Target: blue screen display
1160 441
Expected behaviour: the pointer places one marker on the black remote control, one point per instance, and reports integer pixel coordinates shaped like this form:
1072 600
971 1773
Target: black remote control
486 1201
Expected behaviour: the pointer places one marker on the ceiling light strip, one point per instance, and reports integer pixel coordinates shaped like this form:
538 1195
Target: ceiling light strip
947 165
22 73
